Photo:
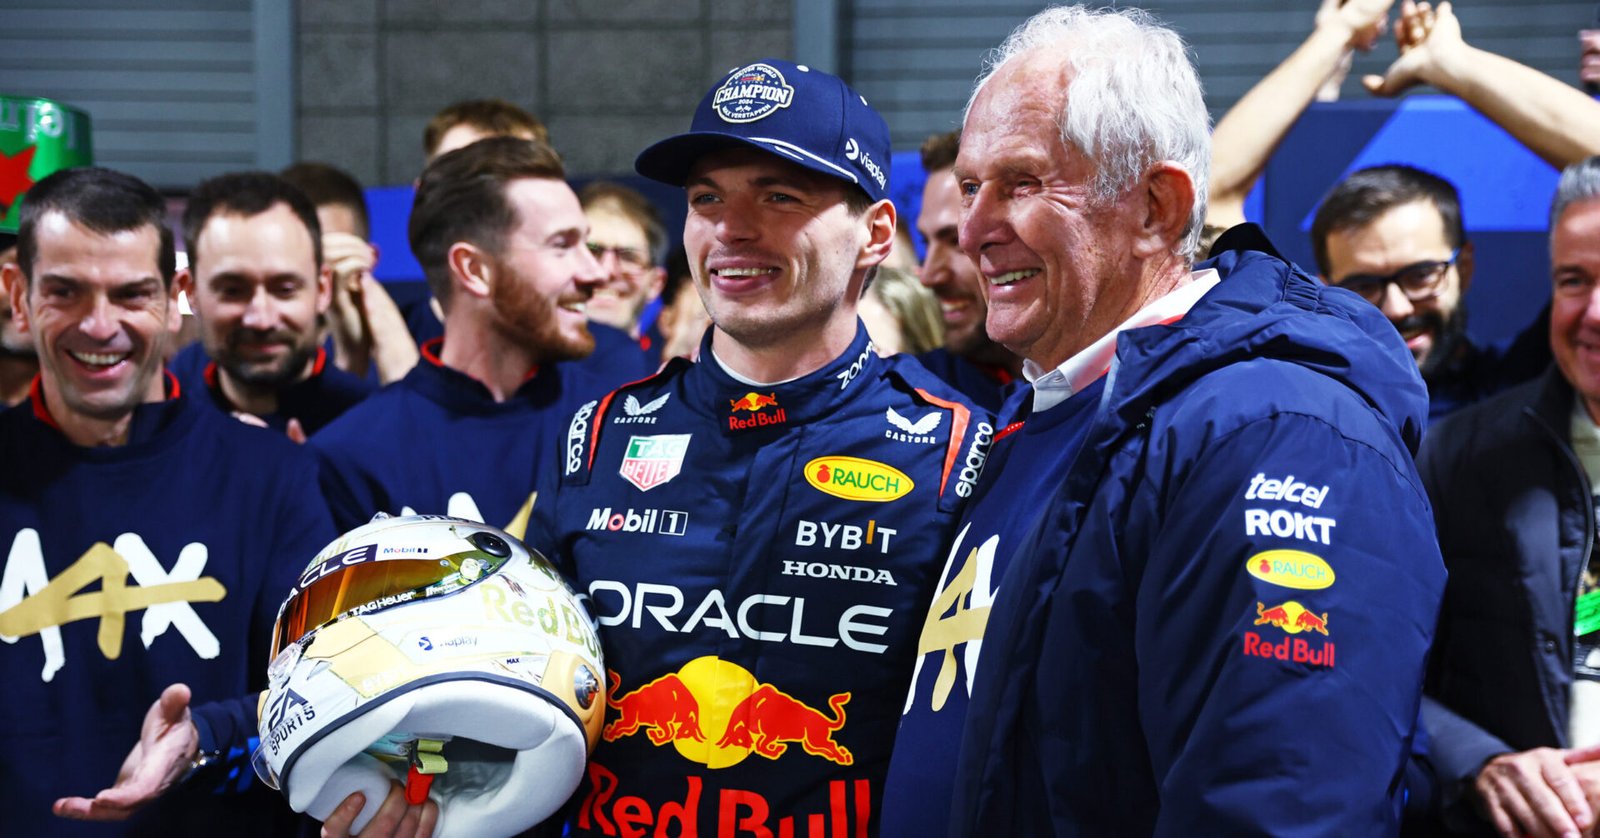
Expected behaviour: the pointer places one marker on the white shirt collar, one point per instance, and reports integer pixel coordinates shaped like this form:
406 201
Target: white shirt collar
1052 387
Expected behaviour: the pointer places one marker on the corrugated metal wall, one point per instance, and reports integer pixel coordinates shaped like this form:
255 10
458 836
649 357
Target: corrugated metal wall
172 86
916 59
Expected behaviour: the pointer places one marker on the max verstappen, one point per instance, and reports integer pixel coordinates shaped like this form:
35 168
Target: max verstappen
758 533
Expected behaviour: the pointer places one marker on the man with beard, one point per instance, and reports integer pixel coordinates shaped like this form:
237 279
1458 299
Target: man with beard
257 282
502 240
970 360
18 363
1394 235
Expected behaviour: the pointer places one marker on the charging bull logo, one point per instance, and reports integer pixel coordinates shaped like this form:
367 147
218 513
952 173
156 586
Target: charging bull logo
1292 617
769 718
665 707
712 696
757 405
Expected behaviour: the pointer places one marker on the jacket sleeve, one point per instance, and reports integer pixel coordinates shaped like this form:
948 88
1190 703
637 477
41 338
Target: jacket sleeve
1283 618
1459 747
344 488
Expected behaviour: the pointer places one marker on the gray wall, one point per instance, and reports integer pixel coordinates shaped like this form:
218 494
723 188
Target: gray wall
607 76
916 59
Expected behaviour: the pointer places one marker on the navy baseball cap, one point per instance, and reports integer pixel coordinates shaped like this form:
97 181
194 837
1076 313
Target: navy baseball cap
805 116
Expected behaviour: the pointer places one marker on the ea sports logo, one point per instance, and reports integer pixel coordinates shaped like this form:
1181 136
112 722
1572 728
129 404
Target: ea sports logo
753 93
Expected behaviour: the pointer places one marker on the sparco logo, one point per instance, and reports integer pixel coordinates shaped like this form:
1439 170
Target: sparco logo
575 434
662 521
977 455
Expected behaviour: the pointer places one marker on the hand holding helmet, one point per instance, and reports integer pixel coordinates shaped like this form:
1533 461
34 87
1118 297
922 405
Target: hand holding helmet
436 652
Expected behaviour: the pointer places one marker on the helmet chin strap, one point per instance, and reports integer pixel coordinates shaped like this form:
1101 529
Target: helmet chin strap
427 759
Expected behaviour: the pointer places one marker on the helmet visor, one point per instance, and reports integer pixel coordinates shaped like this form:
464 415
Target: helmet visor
346 585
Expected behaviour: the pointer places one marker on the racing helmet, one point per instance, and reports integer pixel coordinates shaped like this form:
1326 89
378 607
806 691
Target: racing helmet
440 653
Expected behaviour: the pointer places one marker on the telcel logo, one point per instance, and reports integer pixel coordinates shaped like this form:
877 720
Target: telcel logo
1295 569
853 478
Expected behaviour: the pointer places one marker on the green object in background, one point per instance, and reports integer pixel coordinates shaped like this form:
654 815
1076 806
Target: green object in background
37 137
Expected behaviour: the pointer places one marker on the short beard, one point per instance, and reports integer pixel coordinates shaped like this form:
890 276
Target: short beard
527 319
1452 336
291 371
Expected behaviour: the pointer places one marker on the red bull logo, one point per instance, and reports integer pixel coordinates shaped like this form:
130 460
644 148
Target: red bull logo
757 405
710 695
665 708
1293 618
770 718
753 402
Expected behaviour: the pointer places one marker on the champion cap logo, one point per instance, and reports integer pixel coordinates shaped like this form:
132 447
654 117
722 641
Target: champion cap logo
752 93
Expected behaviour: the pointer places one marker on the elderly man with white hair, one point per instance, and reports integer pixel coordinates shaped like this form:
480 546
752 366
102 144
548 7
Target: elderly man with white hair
1214 618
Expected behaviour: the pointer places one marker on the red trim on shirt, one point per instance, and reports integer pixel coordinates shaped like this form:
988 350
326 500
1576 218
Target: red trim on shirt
42 413
1008 430
430 351
958 432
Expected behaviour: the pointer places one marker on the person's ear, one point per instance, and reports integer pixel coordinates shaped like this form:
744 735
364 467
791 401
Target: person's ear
1165 197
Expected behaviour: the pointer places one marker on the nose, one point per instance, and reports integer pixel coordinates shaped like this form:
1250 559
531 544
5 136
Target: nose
936 267
737 224
259 312
100 321
983 221
592 271
1394 305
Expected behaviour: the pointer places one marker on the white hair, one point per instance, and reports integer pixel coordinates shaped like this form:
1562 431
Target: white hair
1134 100
1579 182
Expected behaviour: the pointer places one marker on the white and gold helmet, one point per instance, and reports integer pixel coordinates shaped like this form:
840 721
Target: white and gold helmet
440 653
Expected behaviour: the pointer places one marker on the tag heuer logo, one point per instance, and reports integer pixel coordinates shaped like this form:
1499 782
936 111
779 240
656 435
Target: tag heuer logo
639 414
653 460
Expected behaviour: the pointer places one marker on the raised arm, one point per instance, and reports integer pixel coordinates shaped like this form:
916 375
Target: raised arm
1249 132
1554 120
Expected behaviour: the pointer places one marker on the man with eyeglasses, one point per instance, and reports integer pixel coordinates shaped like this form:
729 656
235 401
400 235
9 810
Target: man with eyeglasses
1512 697
1394 235
627 238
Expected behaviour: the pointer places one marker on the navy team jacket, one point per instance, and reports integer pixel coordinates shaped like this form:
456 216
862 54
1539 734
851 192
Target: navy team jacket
1221 625
130 568
759 559
436 442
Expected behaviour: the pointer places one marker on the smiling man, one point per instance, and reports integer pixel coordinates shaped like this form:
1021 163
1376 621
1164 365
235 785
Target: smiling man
258 286
1513 707
970 360
150 538
758 532
1139 653
501 238
1394 235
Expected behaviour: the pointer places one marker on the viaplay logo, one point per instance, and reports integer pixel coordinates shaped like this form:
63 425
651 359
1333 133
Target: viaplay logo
716 713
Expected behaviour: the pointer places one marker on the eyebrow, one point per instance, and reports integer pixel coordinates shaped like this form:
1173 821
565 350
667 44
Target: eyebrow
763 182
74 282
